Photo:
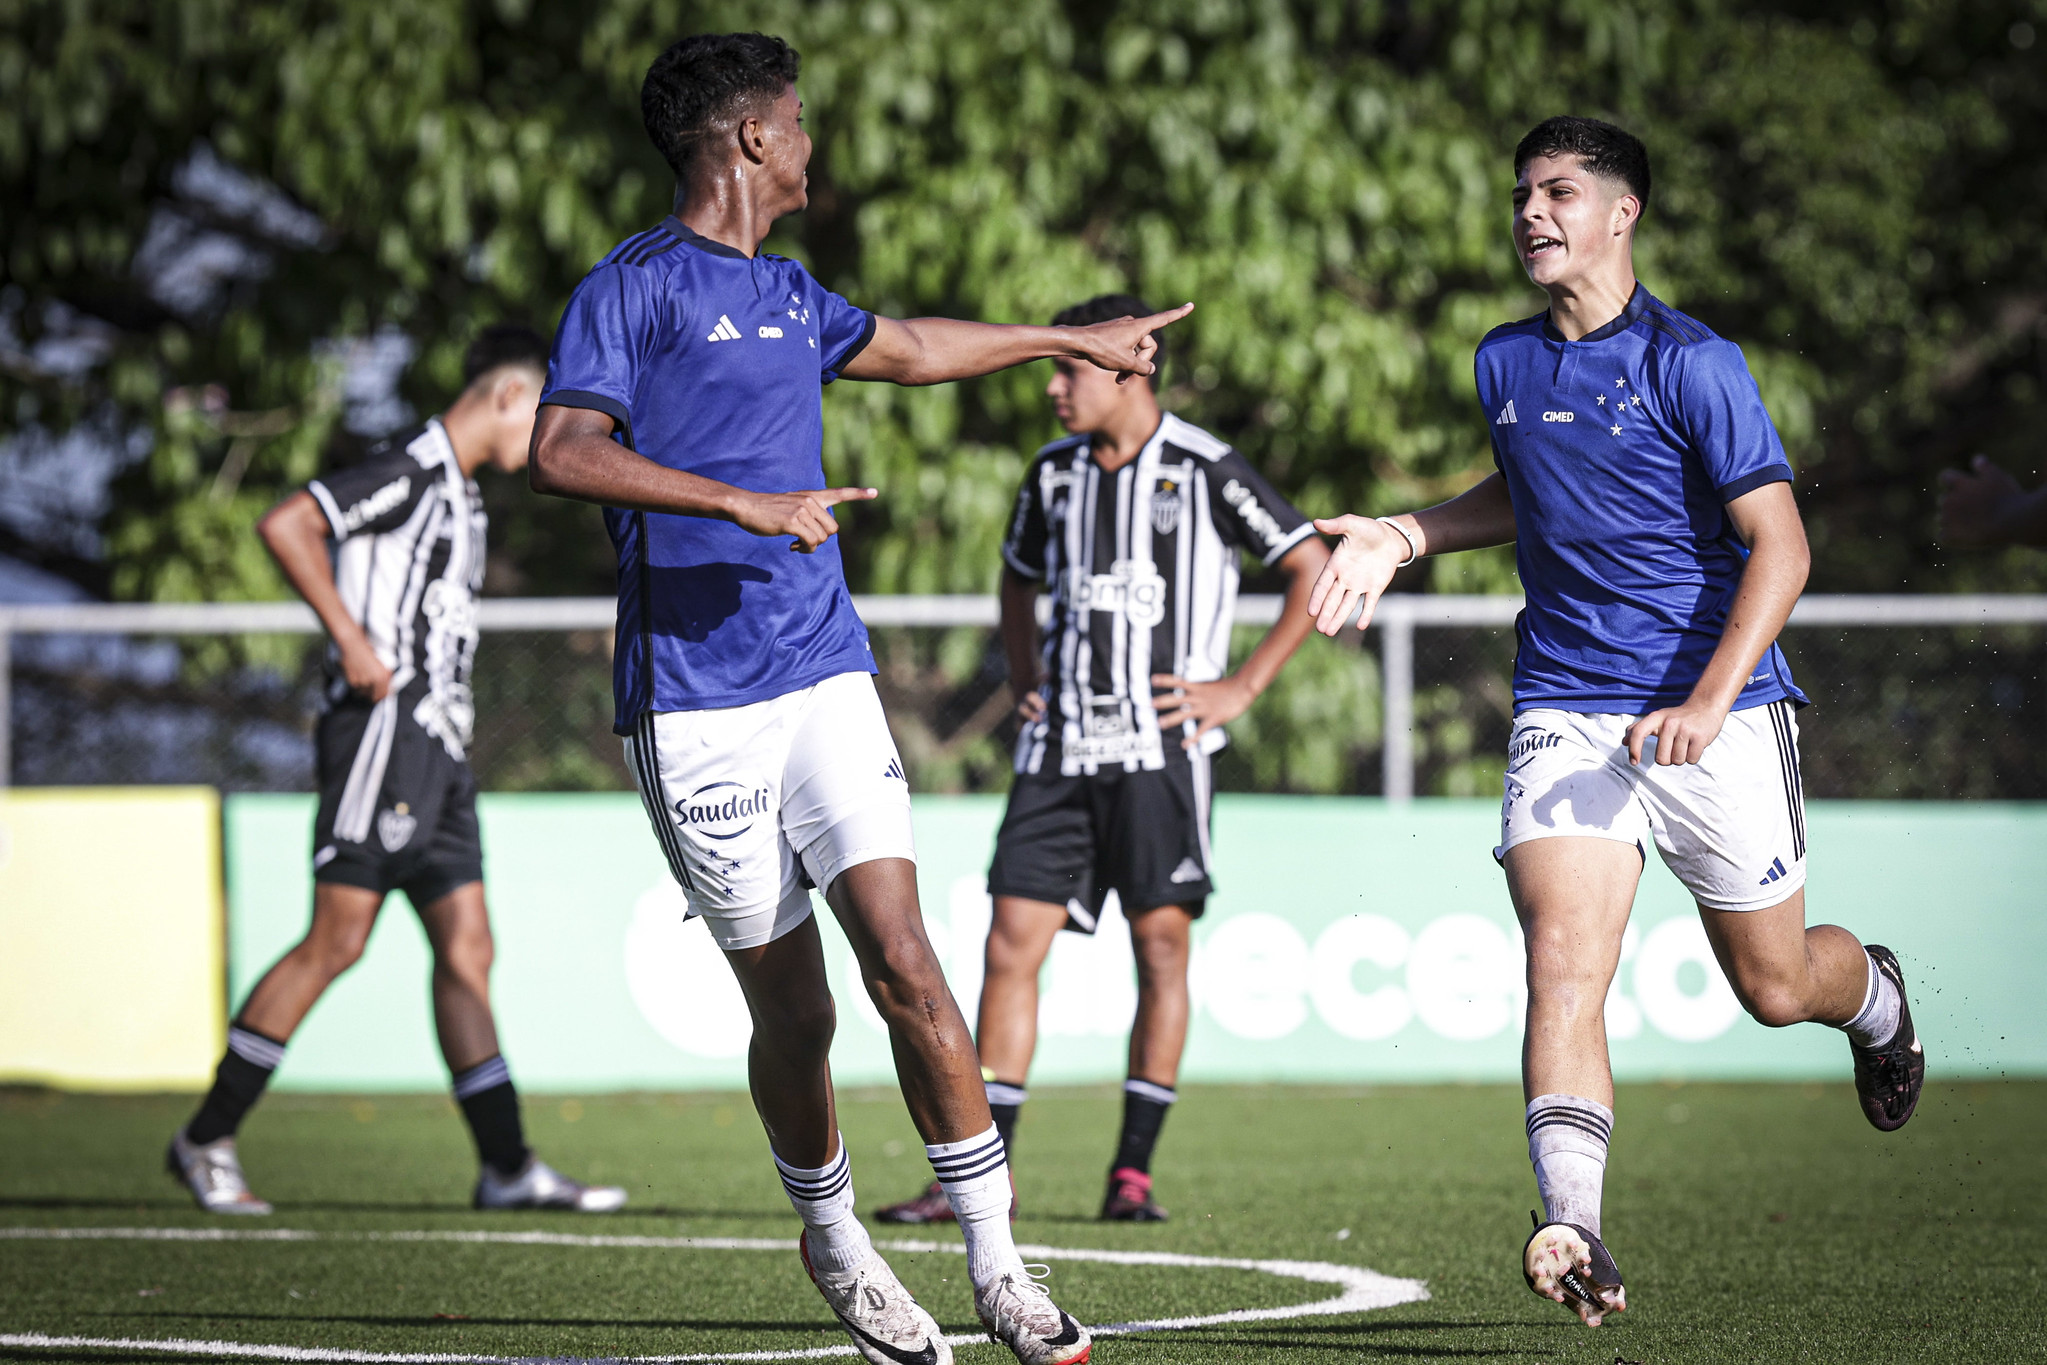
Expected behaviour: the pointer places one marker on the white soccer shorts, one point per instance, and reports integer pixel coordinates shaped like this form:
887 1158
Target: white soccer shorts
754 805
1731 826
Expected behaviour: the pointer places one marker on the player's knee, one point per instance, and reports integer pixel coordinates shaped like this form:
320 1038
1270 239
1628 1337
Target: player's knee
798 1027
332 953
1558 964
906 980
1773 1004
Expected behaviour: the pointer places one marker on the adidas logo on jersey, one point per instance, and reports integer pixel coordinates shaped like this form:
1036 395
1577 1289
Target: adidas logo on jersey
724 331
1507 417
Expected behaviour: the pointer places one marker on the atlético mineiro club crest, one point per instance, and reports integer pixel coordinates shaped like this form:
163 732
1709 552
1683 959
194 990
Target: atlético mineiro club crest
395 827
1165 508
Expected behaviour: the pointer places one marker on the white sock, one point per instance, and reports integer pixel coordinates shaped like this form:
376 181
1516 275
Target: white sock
837 1243
1567 1137
1877 1021
975 1177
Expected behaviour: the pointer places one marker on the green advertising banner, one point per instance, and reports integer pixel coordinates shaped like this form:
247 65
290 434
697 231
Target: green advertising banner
1350 940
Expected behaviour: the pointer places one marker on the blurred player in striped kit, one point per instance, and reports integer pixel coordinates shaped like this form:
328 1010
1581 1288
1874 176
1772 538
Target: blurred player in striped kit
389 553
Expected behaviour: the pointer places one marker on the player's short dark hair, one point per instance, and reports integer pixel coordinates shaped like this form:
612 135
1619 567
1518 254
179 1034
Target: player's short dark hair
706 79
1107 308
1608 152
503 343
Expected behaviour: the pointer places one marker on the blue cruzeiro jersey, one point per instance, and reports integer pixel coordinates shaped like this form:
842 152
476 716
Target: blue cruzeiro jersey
713 362
1621 451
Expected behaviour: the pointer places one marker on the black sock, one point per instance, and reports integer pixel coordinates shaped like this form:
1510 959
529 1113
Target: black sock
492 1107
237 1084
1144 1113
1006 1102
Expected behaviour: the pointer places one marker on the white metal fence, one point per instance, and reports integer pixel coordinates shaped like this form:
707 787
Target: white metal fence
1399 619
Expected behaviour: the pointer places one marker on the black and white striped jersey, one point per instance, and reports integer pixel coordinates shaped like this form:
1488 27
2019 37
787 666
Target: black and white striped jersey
1141 565
408 528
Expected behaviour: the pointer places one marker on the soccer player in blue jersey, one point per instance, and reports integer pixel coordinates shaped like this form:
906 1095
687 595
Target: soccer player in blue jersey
1649 502
684 396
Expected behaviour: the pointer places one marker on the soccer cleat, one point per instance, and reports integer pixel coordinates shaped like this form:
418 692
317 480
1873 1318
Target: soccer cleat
1019 1313
933 1207
540 1186
1888 1078
1570 1265
886 1324
1128 1199
213 1173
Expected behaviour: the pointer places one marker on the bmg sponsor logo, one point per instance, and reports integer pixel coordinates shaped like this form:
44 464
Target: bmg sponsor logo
723 810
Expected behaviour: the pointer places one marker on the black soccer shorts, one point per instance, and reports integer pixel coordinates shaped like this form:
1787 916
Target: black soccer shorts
393 814
1069 840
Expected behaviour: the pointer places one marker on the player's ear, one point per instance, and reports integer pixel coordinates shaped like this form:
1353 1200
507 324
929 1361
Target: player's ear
1627 211
753 137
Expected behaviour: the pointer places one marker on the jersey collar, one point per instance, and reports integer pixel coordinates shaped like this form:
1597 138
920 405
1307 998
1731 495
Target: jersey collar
1638 304
677 228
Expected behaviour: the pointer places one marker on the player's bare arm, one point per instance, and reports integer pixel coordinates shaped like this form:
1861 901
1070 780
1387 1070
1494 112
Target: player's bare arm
296 533
1767 520
937 350
1021 644
1369 550
1211 704
575 457
1983 506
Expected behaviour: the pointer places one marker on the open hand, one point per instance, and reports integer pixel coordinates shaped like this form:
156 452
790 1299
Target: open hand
1681 733
1359 568
806 516
1976 507
1207 704
1030 707
367 675
1126 345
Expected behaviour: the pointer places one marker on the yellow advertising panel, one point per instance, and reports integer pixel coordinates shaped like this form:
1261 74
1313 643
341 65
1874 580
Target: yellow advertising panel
112 942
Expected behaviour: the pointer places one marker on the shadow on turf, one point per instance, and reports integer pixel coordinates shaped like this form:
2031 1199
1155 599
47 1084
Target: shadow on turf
1299 1338
431 1320
58 1202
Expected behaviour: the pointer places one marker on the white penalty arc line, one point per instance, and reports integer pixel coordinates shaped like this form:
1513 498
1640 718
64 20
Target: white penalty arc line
1361 1291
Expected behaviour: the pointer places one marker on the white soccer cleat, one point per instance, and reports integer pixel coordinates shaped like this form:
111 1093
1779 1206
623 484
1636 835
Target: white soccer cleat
213 1174
1568 1264
541 1186
888 1327
1019 1313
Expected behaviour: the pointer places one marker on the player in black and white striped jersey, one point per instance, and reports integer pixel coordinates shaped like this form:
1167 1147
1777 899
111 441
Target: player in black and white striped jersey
1135 525
389 553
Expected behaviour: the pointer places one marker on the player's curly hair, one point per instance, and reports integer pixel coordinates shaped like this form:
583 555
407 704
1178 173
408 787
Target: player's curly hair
1608 152
707 80
1107 308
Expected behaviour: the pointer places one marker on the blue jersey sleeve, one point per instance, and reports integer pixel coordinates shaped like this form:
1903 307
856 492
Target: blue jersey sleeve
603 341
1726 423
843 332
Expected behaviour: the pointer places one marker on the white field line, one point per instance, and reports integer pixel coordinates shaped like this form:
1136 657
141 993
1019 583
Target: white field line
1362 1291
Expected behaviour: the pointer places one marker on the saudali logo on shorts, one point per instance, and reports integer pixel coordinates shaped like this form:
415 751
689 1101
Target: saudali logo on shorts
723 810
395 827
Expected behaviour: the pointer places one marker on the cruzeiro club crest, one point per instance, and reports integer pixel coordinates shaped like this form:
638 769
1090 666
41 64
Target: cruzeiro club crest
1165 508
395 827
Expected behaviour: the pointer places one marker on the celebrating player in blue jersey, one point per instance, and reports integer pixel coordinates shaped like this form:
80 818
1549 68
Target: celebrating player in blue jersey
1649 502
684 396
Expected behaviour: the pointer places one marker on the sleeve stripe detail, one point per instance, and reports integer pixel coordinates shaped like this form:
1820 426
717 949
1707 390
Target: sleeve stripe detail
1009 557
1298 534
1749 483
328 509
653 249
866 335
595 402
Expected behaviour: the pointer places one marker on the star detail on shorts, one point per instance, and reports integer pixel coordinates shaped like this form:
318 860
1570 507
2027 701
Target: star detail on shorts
1636 400
1601 400
1620 383
1615 428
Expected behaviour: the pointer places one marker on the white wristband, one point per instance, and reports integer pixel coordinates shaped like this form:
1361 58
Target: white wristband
1414 547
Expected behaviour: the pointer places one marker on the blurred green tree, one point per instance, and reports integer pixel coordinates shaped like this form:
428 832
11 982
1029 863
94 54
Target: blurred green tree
205 198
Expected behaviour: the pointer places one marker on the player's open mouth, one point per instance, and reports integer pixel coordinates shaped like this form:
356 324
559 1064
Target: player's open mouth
1541 246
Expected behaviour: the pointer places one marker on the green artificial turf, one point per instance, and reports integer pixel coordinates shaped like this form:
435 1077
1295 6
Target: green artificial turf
1754 1223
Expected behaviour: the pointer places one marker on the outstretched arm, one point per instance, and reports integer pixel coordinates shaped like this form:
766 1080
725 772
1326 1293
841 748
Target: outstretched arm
575 457
1985 506
1370 550
1209 704
296 533
935 350
1778 560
